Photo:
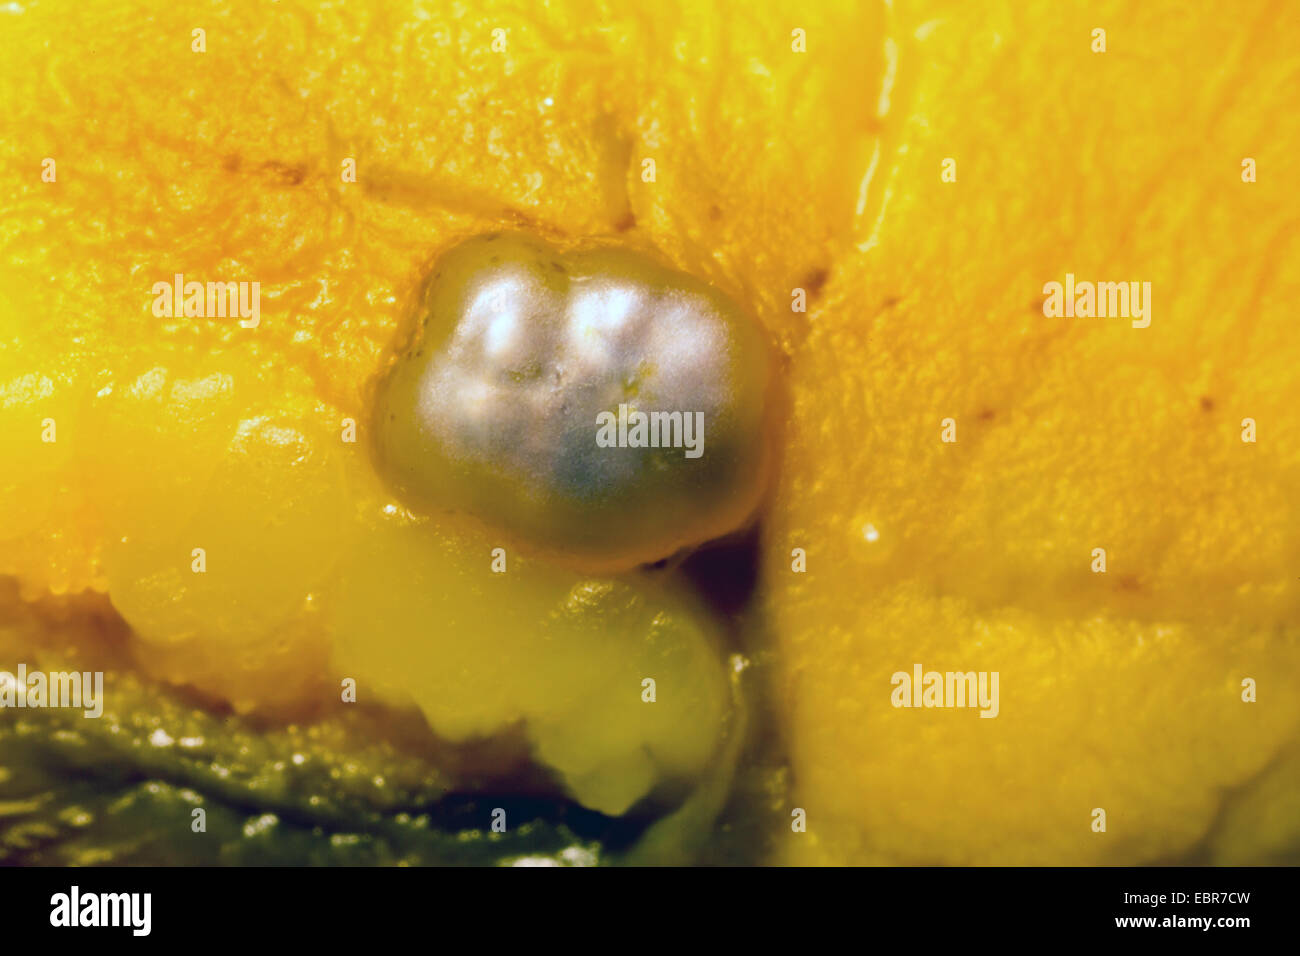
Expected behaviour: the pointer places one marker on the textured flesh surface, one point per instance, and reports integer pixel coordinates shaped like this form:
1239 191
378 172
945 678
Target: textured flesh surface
774 171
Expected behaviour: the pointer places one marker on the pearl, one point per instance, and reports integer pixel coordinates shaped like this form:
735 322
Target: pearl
593 404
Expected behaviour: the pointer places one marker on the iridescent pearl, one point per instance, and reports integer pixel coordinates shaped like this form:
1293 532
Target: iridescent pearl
517 397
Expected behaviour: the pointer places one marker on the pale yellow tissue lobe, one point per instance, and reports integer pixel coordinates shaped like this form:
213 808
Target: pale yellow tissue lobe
42 495
425 618
217 543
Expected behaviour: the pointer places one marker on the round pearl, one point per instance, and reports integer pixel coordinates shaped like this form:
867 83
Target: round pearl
518 394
